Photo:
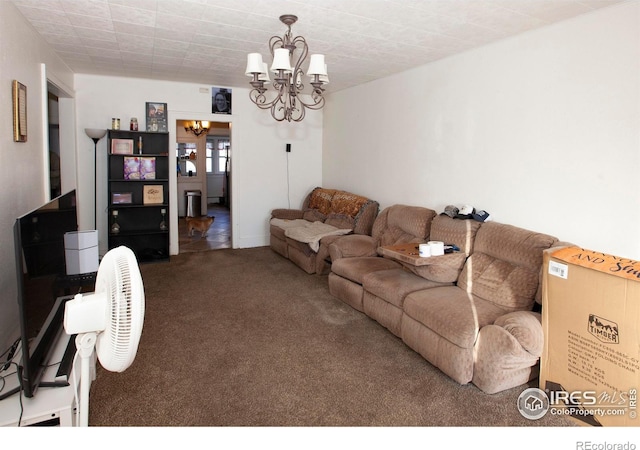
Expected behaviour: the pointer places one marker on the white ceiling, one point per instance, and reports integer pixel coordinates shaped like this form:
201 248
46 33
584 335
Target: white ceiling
206 41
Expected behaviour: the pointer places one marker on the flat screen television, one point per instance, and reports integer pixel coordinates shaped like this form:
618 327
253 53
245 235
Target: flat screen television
41 272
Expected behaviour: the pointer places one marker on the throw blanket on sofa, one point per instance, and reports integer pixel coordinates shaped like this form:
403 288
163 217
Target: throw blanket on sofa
285 224
308 232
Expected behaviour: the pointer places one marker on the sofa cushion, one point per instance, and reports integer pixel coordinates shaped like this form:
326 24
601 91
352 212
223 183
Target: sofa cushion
355 269
277 232
313 215
461 233
340 221
400 224
394 285
505 265
505 284
512 244
347 204
321 199
451 313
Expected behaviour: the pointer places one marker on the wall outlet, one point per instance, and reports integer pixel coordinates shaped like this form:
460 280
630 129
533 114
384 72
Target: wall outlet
288 148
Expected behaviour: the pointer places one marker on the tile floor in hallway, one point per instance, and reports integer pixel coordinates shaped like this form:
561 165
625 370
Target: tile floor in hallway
218 236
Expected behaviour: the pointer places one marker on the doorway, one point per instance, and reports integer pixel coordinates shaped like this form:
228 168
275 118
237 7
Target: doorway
203 183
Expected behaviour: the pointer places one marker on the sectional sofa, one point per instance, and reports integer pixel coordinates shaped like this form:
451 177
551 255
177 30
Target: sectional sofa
473 313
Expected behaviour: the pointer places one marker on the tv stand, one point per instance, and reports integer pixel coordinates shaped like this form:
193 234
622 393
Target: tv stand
55 398
64 368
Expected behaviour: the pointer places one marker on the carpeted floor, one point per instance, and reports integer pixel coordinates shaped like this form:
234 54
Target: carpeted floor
245 338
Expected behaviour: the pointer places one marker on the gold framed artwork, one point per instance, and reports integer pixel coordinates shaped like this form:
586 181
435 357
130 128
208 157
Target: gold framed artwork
19 112
153 194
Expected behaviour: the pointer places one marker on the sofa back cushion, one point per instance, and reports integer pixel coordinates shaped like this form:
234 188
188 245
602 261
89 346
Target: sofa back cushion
341 209
461 233
320 199
399 224
505 265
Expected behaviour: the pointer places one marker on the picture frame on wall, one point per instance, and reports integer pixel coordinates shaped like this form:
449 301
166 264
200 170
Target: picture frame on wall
19 93
220 100
156 117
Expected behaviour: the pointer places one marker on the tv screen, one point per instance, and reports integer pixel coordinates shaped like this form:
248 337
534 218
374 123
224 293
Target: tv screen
41 272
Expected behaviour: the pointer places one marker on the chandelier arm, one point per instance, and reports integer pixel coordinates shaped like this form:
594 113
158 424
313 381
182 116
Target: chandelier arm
273 42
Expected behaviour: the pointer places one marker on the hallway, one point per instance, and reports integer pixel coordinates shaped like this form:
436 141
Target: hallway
218 236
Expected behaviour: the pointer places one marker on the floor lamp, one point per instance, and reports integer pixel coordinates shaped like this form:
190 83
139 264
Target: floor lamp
96 134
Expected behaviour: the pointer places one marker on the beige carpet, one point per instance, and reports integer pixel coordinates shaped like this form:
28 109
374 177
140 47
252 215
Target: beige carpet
245 338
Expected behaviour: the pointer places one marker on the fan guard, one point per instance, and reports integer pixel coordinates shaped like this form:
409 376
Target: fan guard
116 347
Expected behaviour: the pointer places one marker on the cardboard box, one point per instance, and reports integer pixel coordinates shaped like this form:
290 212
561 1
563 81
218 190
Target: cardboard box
590 365
81 252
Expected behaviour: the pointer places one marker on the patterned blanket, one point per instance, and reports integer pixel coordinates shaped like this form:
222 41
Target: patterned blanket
329 201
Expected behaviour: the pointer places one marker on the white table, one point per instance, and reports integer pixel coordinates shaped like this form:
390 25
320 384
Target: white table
48 403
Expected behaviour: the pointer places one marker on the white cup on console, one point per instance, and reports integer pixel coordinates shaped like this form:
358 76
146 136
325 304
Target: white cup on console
424 250
436 248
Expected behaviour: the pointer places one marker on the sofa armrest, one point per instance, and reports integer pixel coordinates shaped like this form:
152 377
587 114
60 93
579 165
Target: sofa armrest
353 245
526 327
507 352
286 214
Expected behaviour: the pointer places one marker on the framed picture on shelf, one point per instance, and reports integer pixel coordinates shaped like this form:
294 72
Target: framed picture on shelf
147 167
139 168
122 146
152 194
156 117
121 198
131 168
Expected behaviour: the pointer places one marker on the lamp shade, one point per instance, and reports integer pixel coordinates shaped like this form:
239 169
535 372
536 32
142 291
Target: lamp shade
254 64
317 65
264 76
281 60
95 133
324 79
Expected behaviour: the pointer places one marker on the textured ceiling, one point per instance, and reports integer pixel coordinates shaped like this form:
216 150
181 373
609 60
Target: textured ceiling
206 41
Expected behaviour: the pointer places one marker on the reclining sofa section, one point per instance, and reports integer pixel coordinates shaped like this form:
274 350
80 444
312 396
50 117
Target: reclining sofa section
476 323
341 211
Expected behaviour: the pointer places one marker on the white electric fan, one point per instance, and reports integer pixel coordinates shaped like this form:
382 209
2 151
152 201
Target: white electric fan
109 319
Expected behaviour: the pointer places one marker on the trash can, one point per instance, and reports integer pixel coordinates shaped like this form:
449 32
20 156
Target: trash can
193 203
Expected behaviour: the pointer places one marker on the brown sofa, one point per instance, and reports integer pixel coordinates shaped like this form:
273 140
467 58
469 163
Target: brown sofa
472 318
353 257
341 210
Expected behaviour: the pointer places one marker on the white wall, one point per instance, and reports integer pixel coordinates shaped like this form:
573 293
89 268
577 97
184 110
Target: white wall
23 172
541 130
261 179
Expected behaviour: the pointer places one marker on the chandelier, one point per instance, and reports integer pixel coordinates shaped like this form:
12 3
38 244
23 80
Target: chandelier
197 127
290 102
